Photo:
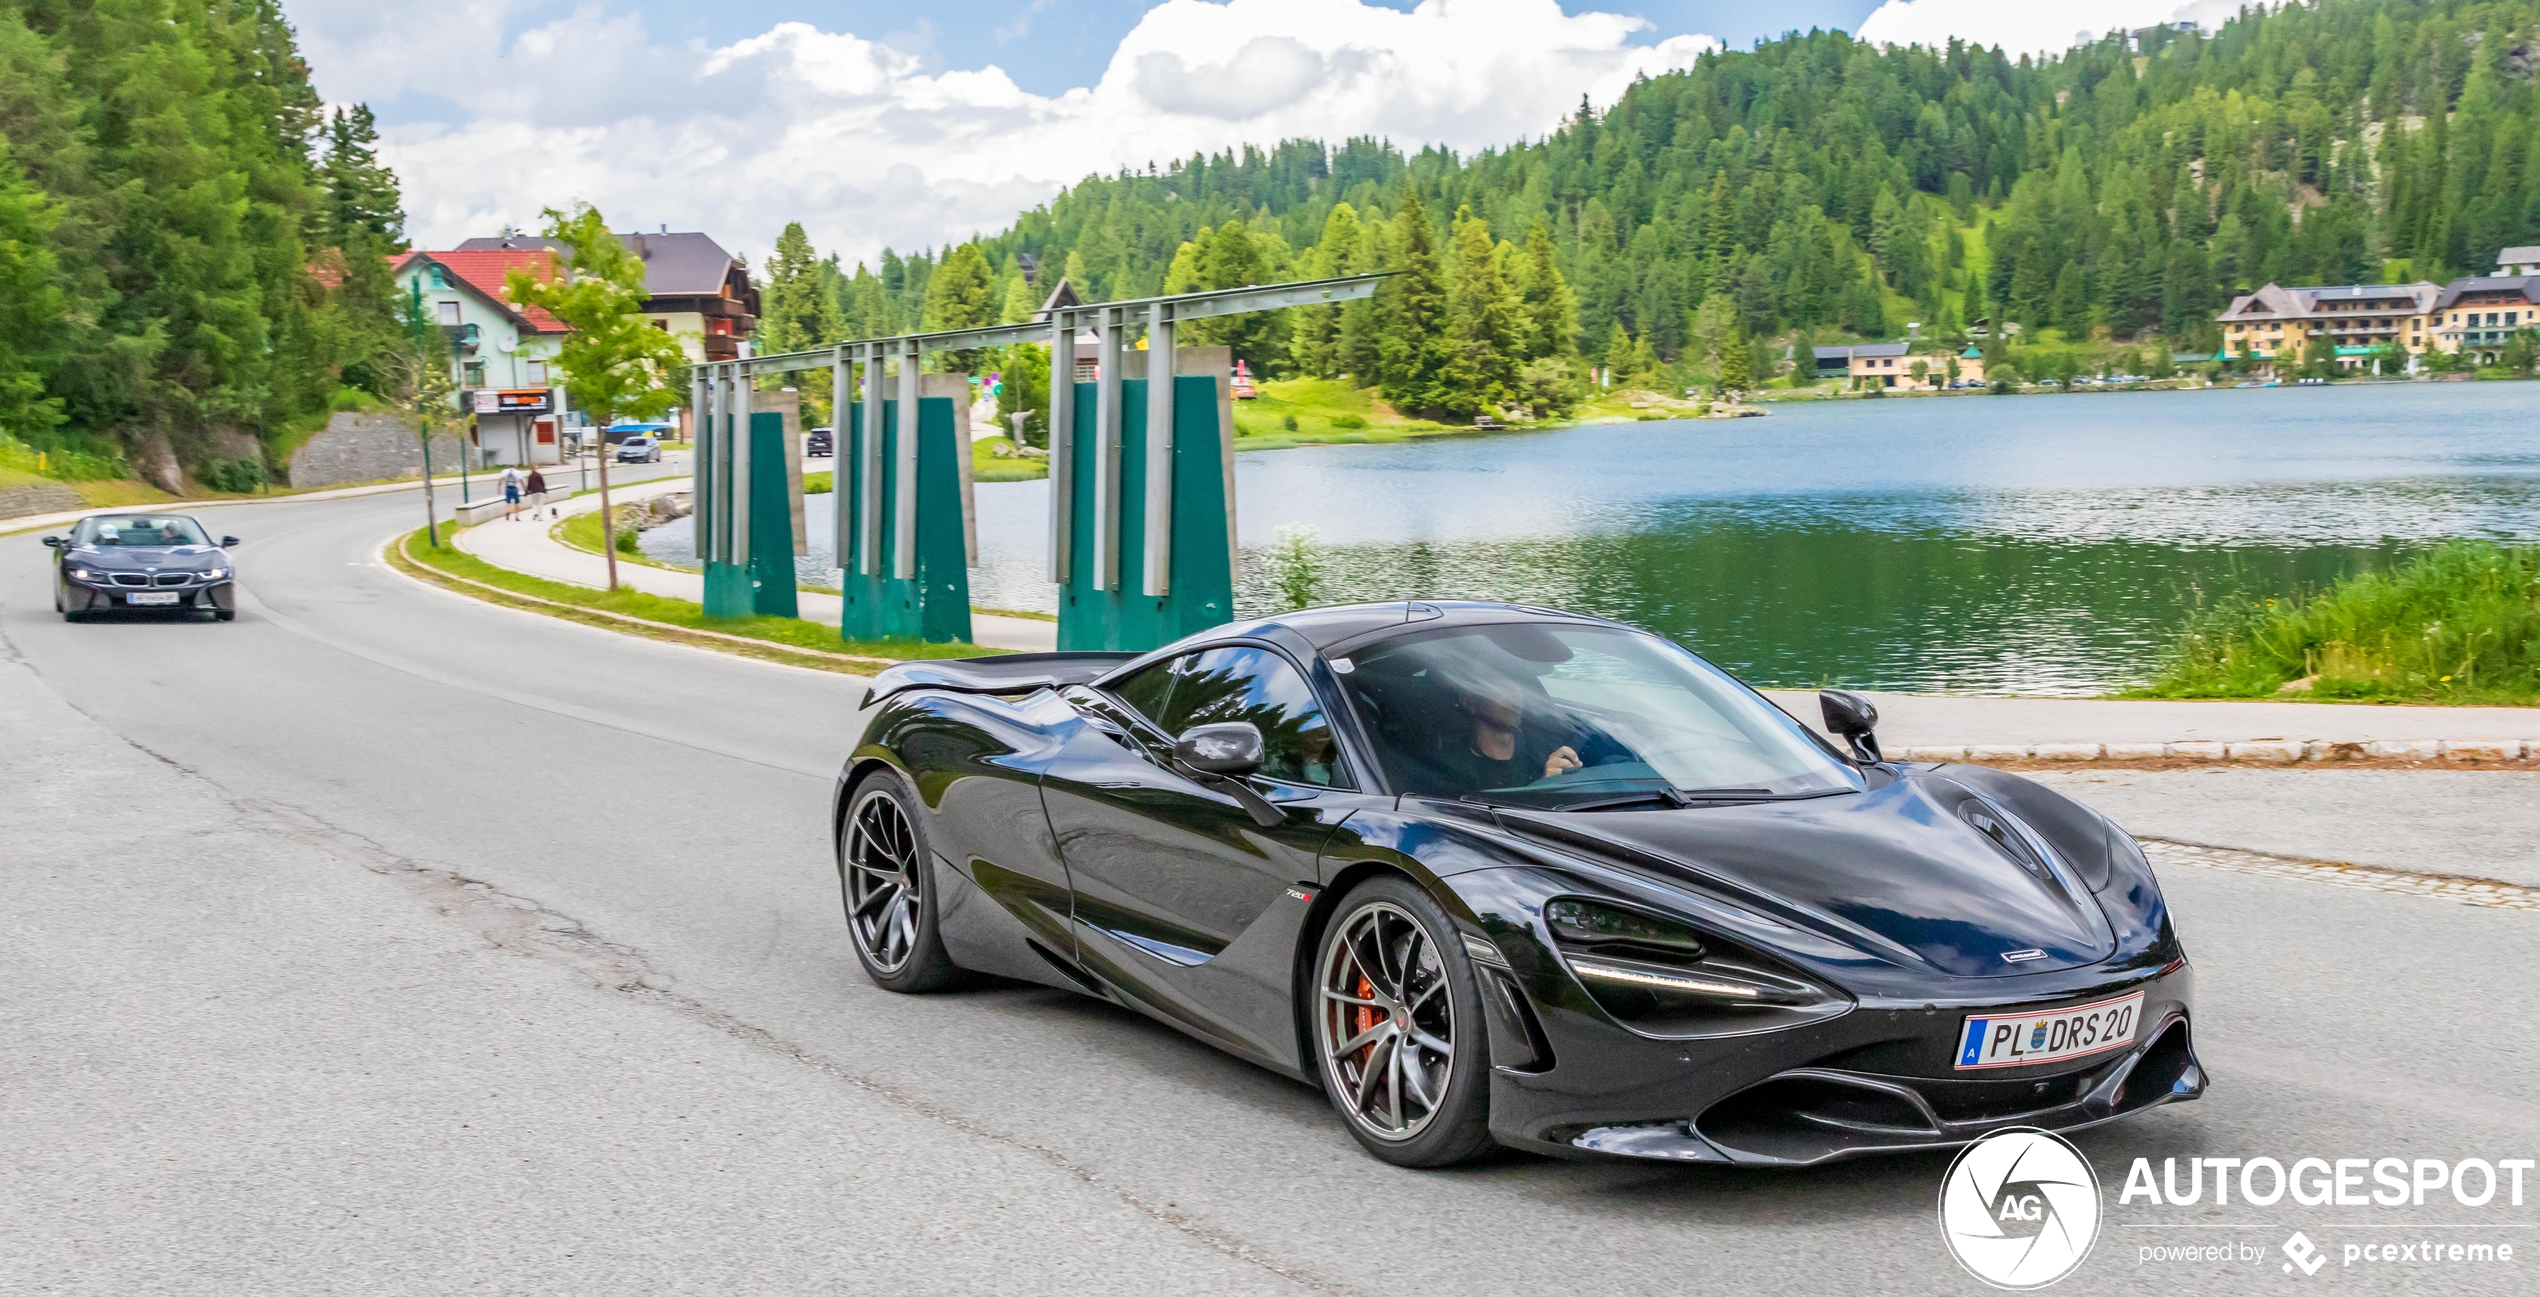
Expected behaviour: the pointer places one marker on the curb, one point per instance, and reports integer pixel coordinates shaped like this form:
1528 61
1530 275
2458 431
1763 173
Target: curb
2273 752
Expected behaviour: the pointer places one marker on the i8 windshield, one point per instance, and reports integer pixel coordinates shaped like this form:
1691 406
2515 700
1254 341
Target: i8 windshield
1547 715
138 532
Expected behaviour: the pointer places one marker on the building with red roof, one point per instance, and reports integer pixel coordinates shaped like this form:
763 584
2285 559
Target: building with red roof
504 352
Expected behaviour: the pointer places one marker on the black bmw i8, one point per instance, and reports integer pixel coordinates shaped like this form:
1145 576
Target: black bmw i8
1496 875
116 561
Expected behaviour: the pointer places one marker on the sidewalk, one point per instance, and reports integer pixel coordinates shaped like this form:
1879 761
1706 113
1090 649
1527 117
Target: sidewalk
528 547
483 480
1929 727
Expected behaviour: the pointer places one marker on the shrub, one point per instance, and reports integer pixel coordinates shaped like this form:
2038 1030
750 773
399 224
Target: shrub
2459 623
1297 566
234 475
1349 421
1288 421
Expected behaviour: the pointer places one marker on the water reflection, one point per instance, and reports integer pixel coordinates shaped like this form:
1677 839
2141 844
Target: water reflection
2031 545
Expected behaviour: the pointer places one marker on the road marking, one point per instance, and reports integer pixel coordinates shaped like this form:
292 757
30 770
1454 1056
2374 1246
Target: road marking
2486 892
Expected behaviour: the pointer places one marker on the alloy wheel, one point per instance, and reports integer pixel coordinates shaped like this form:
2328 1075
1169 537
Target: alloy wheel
882 880
1386 1021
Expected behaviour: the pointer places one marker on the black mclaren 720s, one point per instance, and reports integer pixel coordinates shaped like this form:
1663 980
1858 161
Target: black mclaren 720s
1497 875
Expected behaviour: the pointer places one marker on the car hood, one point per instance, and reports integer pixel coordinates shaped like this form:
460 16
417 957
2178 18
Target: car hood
1894 872
136 558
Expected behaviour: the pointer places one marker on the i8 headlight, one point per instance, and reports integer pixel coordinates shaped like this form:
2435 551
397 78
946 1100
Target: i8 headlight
1659 977
215 574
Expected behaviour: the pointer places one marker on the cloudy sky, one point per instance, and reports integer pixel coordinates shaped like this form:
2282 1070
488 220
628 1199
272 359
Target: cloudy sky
914 124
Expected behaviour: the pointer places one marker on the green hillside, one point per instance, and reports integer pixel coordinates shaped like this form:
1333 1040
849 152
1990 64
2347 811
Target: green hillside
1816 188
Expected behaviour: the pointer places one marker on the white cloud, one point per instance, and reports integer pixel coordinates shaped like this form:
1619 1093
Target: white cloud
866 145
2028 26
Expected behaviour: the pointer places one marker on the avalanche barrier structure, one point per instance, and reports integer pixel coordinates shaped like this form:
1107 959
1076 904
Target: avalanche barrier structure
1141 541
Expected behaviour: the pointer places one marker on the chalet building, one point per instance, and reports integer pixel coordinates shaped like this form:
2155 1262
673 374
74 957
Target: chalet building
697 291
2277 325
2477 317
1877 364
2512 262
503 353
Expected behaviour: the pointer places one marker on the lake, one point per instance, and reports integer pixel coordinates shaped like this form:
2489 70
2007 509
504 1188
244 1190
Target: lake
2033 544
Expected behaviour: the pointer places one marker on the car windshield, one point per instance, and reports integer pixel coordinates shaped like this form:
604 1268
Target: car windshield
1542 715
138 531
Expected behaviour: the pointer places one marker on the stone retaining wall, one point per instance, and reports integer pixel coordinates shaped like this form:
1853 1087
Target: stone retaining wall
359 447
36 497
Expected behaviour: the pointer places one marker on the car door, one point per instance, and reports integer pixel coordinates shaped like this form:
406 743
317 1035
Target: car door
1184 903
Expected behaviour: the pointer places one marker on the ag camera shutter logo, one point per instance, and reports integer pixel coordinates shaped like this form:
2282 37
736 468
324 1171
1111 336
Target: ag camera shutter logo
2020 1208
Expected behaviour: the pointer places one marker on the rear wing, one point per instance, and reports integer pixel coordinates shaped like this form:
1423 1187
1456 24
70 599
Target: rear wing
1006 673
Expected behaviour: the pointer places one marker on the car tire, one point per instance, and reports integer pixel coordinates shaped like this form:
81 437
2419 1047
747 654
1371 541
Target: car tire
1420 960
223 614
886 882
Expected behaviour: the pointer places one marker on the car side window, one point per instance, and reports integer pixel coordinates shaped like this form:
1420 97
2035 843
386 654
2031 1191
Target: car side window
1241 683
1151 689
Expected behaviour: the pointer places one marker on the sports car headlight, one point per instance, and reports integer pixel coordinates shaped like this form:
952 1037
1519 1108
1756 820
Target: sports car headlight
215 573
84 574
1660 977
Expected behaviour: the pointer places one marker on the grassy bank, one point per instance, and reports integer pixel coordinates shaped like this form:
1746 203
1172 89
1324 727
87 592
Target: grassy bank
2458 625
1323 411
670 618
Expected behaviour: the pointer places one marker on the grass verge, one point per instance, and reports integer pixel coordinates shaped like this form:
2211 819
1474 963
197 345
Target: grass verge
803 643
2458 625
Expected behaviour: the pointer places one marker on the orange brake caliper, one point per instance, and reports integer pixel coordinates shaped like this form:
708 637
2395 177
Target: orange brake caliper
1366 1015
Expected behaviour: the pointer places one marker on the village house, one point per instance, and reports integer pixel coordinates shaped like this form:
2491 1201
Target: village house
696 291
503 354
1871 364
1890 366
2475 318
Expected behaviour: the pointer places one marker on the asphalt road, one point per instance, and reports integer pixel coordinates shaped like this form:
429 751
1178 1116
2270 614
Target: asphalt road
385 941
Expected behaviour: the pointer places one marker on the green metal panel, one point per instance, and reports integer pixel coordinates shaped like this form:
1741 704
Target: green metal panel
771 519
943 554
1202 589
936 606
728 585
765 585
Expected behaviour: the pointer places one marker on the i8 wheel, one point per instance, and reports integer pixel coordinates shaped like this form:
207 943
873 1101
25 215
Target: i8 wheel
890 898
1398 1028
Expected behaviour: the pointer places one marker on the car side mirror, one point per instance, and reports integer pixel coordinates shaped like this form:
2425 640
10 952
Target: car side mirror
52 542
1229 749
1851 715
228 542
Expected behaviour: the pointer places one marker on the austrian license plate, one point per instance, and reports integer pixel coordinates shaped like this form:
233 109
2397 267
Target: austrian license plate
148 597
2017 1040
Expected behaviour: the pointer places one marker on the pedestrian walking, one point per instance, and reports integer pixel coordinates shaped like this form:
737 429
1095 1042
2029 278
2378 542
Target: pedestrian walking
537 489
511 492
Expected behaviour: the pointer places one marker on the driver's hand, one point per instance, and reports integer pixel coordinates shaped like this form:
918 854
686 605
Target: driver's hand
1562 759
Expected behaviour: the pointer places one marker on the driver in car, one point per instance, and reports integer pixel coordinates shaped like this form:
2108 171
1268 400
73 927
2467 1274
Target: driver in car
1499 755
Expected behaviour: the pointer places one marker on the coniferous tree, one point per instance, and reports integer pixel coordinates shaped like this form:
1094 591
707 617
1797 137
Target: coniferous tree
1551 311
1485 324
795 314
31 306
960 294
1411 344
